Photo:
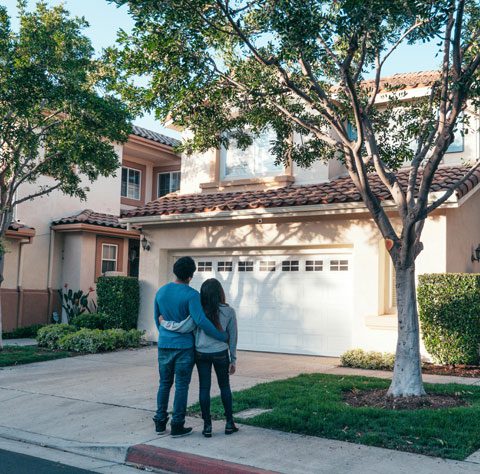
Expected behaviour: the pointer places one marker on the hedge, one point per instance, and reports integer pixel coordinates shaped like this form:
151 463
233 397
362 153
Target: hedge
90 321
96 340
118 297
449 309
48 336
25 332
360 359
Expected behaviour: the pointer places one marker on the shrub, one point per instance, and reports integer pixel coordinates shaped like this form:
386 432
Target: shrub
361 359
90 321
96 340
449 308
49 336
28 331
119 297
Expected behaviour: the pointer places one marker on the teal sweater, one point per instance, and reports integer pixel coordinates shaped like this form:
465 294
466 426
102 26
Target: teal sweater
175 302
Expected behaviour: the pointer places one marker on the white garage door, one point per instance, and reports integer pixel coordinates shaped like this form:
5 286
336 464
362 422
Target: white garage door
294 304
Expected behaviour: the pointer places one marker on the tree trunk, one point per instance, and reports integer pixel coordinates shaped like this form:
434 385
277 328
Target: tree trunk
407 373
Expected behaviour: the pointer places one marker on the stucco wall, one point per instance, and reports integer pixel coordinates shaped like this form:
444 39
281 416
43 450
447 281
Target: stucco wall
371 329
197 169
463 235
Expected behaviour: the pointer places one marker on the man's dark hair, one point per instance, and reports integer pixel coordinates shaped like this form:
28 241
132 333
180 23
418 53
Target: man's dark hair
184 268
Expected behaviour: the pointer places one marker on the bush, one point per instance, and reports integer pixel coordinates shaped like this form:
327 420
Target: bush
119 297
96 340
449 308
28 331
361 359
90 321
49 336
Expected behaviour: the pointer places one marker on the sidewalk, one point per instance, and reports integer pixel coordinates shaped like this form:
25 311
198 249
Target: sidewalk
100 406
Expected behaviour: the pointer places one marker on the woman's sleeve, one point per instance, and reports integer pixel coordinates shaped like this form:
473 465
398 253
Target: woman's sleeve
187 325
232 331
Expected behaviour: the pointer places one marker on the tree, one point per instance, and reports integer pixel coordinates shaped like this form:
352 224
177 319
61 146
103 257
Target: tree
227 69
56 121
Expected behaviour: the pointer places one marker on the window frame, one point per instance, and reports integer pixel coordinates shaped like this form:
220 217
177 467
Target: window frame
170 173
103 259
251 156
102 239
140 176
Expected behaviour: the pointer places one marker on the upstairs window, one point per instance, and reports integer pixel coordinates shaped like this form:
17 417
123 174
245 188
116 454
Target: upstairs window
457 145
255 161
168 183
131 180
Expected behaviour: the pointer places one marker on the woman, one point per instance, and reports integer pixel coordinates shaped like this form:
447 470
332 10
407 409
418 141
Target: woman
210 352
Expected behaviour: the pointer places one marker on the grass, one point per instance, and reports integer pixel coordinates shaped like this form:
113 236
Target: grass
312 404
13 355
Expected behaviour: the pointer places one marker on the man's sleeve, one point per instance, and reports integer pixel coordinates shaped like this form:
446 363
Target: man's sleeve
185 326
198 315
156 313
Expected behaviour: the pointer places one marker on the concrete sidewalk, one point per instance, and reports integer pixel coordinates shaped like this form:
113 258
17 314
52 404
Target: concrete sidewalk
100 405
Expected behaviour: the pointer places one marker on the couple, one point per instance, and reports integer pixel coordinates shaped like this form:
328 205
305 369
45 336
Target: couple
194 328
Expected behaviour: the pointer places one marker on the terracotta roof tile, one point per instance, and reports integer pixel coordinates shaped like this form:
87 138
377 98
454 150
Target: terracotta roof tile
339 190
406 80
88 216
154 136
18 226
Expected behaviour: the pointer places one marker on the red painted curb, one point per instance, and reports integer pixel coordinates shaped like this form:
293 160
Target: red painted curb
185 463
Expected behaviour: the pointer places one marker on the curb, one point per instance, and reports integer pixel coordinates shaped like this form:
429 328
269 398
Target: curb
185 463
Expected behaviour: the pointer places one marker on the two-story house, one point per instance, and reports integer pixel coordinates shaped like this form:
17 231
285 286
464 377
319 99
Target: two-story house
295 249
57 240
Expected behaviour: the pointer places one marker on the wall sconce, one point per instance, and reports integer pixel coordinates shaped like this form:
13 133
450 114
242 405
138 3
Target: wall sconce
145 243
476 254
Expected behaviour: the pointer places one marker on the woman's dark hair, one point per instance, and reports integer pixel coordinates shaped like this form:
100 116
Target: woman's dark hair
212 295
184 268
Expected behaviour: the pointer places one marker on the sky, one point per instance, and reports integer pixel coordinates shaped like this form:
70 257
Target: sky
106 19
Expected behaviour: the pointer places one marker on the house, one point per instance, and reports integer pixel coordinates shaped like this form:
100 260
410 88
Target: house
58 240
295 249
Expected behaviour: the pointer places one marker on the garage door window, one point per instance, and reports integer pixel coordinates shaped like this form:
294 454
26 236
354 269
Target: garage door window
339 265
314 265
245 266
204 266
290 266
225 266
267 266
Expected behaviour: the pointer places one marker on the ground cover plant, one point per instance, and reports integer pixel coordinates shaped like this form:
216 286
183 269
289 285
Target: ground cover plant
13 355
314 405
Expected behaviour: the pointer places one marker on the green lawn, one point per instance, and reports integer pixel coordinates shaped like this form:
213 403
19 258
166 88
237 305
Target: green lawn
313 405
12 355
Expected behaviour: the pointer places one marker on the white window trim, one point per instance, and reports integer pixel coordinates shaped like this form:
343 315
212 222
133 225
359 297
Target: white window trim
170 188
250 175
109 259
129 168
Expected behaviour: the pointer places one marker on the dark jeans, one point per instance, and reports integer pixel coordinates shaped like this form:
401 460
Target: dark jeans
221 364
174 364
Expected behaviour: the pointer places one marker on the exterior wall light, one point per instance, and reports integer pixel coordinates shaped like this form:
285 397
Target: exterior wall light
476 254
146 244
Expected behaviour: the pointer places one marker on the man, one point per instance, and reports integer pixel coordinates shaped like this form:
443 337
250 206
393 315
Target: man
175 301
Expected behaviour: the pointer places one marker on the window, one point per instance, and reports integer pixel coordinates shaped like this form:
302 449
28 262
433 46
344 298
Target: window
457 145
267 266
245 266
204 266
255 161
109 258
339 265
167 183
131 180
314 265
225 266
290 266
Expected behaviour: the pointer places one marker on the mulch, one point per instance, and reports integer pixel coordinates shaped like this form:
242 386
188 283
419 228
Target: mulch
455 370
379 399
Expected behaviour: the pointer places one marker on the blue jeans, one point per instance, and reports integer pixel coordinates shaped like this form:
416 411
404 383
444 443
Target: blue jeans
221 364
174 364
